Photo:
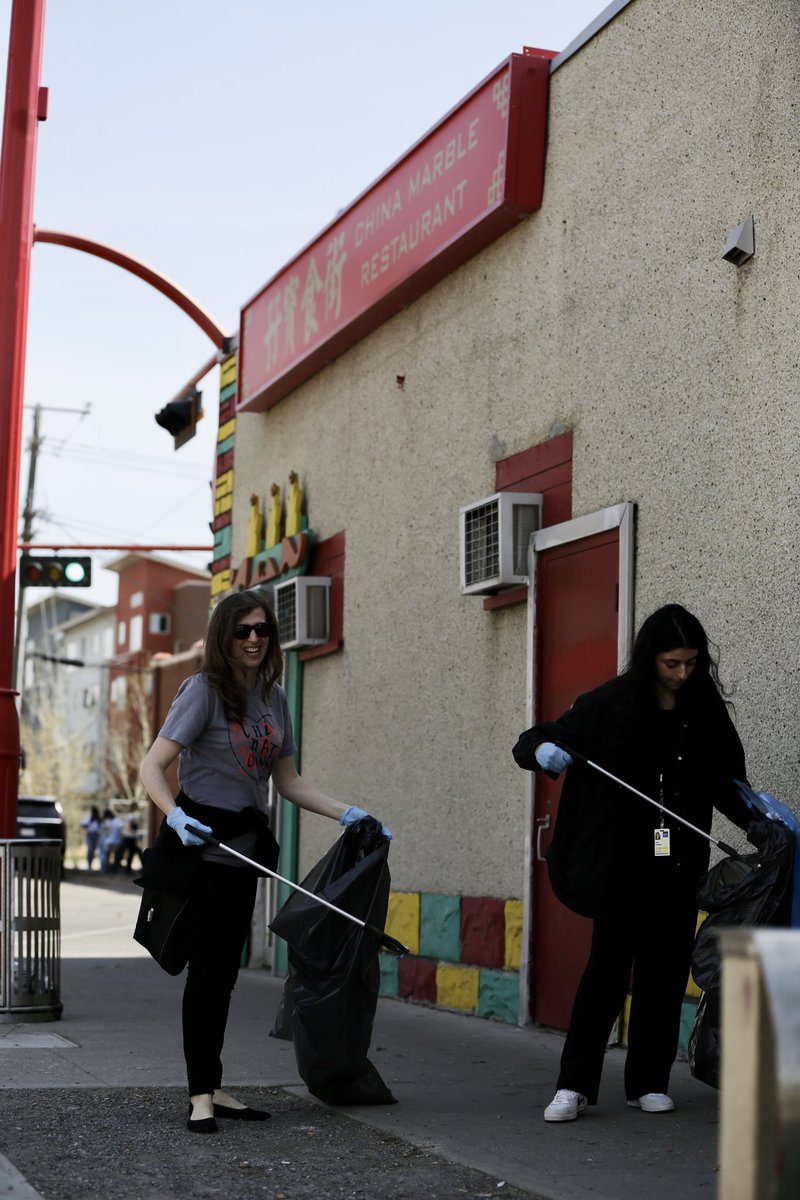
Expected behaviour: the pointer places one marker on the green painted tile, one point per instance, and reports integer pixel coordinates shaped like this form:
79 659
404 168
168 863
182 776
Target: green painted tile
440 927
498 995
223 541
389 974
688 1014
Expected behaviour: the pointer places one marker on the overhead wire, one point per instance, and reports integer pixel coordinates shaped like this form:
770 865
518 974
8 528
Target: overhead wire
122 460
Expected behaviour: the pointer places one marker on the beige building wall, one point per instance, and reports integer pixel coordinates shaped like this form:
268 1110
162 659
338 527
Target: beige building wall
609 312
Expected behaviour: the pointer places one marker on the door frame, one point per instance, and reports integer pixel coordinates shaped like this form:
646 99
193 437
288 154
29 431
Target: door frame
618 516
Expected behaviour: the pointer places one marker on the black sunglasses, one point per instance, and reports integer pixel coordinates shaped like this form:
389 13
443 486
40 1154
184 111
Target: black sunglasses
242 632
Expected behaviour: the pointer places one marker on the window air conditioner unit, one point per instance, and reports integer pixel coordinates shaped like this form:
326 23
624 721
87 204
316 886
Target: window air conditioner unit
302 611
495 533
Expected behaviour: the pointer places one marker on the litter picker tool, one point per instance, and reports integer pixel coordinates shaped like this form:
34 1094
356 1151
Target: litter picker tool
385 939
587 762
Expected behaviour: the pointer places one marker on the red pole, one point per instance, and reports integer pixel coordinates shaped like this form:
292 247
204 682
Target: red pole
17 162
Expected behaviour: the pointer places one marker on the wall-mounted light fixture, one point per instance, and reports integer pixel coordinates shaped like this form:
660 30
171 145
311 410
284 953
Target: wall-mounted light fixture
741 243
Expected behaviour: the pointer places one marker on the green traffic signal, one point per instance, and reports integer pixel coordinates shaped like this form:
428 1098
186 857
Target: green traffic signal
56 571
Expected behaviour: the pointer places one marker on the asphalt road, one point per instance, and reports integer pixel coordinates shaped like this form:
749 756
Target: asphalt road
82 1143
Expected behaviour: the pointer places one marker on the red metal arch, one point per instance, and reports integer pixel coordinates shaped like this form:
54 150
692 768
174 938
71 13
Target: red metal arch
149 274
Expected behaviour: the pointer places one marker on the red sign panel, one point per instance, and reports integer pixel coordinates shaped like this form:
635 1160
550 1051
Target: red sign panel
470 179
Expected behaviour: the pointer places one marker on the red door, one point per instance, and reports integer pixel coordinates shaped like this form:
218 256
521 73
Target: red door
577 633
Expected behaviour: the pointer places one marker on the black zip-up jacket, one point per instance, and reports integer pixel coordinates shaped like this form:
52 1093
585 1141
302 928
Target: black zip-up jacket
603 843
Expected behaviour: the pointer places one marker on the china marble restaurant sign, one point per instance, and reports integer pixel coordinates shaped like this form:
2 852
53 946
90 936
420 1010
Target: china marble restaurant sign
466 182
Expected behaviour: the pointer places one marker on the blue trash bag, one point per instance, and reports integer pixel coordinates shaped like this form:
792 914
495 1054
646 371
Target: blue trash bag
765 805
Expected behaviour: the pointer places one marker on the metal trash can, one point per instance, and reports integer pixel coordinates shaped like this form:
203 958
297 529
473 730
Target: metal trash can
30 930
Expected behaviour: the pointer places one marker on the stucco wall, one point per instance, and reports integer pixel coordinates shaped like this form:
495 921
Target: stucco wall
610 312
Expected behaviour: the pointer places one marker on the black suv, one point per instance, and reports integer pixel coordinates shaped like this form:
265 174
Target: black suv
41 817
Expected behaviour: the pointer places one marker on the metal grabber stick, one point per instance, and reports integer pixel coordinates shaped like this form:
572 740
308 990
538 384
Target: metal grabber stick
384 938
587 762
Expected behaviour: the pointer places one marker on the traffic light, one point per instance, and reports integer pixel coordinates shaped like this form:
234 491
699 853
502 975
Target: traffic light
180 417
54 571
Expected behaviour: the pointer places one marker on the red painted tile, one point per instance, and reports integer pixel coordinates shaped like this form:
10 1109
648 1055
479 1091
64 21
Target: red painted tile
483 931
417 979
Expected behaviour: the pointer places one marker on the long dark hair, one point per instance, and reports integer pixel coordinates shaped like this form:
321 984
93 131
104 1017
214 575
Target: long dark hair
216 663
670 628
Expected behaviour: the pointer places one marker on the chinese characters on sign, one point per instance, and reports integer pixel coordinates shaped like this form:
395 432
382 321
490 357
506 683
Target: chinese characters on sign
466 182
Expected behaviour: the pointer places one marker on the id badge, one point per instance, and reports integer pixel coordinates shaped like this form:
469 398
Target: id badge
661 843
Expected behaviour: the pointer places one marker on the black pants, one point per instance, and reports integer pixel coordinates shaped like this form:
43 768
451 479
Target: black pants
225 902
652 935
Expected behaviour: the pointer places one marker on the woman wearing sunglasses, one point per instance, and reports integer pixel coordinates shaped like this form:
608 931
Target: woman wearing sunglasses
230 730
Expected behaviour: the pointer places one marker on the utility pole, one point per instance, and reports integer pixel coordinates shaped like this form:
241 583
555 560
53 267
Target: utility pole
28 514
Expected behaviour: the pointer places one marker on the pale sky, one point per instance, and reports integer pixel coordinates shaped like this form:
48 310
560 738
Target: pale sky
213 140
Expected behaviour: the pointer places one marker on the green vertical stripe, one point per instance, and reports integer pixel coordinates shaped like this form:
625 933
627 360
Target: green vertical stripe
287 864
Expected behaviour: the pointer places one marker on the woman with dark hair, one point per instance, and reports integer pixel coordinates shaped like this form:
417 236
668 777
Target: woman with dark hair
664 727
230 729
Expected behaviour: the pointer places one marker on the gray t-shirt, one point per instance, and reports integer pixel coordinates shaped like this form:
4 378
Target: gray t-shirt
228 763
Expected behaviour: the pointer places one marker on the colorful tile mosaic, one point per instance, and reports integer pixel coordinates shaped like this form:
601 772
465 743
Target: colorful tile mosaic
465 953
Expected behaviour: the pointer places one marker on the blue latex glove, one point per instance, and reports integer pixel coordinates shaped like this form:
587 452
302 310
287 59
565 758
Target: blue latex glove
184 825
353 814
552 758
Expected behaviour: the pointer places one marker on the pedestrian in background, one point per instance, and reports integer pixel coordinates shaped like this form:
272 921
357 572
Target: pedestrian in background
230 730
110 841
664 727
92 824
128 847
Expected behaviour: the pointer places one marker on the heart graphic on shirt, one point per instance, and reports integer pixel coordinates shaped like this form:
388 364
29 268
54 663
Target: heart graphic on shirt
253 745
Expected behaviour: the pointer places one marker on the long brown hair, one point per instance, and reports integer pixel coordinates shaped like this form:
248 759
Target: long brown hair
216 664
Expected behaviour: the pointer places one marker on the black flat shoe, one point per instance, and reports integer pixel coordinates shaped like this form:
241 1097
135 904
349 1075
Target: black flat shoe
241 1114
202 1125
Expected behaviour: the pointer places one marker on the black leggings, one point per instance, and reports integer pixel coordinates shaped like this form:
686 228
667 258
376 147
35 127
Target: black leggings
654 936
225 901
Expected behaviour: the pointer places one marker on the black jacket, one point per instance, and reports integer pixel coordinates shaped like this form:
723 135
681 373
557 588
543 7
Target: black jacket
602 847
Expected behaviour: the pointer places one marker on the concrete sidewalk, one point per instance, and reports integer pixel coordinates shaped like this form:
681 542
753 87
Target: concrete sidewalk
470 1091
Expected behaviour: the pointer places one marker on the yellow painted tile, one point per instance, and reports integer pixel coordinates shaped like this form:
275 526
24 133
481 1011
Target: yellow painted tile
402 919
224 505
224 483
220 582
227 430
457 987
513 910
624 1021
692 989
227 374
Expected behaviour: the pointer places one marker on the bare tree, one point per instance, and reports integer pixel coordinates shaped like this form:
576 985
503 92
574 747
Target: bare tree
130 735
59 758
56 759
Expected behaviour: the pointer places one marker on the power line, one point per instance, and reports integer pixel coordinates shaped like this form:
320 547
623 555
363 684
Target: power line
121 460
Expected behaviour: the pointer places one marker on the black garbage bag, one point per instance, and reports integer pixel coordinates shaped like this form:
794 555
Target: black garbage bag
704 1050
752 890
331 994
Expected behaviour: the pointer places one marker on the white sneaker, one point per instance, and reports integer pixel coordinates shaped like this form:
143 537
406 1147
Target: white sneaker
565 1106
653 1102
